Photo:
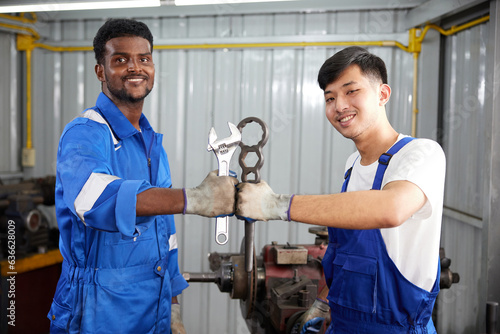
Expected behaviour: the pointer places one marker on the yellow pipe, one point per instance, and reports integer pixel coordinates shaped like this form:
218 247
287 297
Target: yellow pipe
276 45
28 30
21 18
414 99
29 142
454 29
230 45
62 48
414 46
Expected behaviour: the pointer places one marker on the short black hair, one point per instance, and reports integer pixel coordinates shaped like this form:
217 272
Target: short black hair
113 28
368 63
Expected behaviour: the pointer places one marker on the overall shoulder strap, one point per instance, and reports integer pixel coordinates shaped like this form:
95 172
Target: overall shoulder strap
384 160
347 176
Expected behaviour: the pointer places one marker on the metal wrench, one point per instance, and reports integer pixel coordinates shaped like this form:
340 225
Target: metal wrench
224 150
246 170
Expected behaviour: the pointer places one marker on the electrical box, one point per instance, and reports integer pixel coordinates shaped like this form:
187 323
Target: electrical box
28 157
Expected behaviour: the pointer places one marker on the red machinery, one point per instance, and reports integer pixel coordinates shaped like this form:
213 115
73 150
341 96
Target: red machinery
282 285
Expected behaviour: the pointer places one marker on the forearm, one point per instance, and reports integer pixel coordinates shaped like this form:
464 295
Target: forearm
359 209
160 201
335 210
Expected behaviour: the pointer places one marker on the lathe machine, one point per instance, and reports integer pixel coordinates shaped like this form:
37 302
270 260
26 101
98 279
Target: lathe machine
283 283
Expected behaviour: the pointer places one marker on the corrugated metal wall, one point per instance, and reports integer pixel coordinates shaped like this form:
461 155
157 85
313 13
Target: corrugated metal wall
198 89
10 117
465 90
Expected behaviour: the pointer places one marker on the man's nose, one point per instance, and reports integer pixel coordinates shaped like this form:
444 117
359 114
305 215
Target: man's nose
341 104
133 65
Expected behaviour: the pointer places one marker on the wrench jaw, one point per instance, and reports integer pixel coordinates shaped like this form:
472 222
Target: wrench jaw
224 145
212 137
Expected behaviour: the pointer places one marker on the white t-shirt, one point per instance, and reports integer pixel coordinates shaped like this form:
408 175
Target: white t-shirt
414 245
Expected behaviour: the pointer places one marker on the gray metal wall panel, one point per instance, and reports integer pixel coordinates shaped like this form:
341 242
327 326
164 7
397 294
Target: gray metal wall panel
197 89
458 307
464 115
462 307
10 118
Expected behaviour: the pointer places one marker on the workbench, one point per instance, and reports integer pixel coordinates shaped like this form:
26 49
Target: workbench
27 288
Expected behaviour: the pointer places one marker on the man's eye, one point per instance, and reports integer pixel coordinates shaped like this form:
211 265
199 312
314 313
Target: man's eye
330 99
352 91
120 60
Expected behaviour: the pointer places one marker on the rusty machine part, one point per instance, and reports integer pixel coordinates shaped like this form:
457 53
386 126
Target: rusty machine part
447 276
27 209
283 283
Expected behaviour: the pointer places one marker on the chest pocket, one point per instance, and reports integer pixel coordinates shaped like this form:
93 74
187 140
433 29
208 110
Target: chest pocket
354 282
111 239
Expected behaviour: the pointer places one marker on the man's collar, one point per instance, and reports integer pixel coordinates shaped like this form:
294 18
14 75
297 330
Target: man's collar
120 125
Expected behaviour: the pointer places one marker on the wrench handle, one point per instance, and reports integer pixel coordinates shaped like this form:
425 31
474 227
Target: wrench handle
221 235
221 223
223 168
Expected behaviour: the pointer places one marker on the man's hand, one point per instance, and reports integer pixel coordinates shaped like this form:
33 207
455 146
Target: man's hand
318 310
176 325
258 201
215 196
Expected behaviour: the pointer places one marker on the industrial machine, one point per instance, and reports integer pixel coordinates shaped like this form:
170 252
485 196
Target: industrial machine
281 286
283 283
27 215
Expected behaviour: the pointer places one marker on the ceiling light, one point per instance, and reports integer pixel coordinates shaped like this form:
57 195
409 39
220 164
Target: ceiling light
75 5
217 2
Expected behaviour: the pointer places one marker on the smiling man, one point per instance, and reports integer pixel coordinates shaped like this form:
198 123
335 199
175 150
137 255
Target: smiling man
114 202
382 261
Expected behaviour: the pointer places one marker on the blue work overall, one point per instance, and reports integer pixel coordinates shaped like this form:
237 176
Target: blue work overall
368 294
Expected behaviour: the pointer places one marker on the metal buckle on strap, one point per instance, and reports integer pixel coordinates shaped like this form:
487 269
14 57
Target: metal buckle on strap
385 158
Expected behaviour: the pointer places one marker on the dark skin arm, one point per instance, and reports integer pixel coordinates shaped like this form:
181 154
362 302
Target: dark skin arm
160 201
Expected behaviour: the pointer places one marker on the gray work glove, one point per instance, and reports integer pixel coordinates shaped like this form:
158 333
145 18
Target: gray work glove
258 201
215 196
176 325
319 309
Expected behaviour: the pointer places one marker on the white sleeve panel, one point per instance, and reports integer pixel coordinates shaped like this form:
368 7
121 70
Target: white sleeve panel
91 191
172 241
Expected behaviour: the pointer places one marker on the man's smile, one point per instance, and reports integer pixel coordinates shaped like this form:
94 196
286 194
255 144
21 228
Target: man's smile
345 119
135 79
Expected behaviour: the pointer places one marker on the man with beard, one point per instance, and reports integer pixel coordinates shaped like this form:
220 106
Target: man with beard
114 202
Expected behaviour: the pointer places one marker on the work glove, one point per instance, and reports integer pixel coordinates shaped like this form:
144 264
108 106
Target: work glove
258 201
176 325
318 312
215 196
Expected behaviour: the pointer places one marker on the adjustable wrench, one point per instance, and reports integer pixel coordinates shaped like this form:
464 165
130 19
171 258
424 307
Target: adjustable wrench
223 150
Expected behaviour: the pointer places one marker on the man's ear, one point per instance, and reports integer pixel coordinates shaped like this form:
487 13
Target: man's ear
99 71
385 94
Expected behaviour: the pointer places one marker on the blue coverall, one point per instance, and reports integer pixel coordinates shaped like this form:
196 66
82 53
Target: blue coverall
119 271
368 294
